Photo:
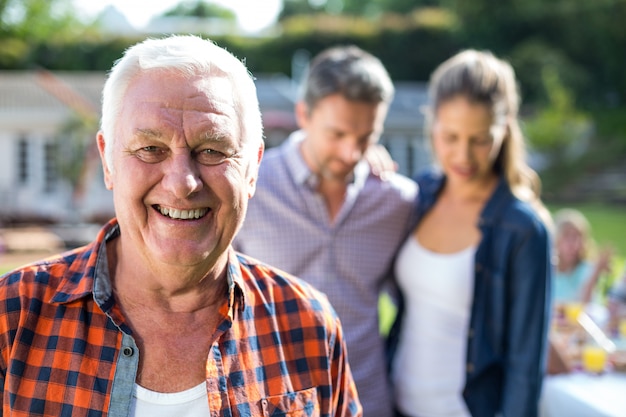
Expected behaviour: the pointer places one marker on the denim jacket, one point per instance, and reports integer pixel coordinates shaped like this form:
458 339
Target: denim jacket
507 335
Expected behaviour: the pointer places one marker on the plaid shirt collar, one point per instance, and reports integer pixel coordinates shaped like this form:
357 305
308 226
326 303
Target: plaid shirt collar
95 280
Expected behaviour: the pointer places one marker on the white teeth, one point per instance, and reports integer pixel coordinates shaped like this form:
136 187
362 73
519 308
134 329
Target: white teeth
183 214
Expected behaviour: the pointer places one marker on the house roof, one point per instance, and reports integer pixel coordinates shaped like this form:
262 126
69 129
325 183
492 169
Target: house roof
277 94
40 99
35 94
45 90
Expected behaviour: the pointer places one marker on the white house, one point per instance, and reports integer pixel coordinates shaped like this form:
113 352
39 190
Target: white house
37 108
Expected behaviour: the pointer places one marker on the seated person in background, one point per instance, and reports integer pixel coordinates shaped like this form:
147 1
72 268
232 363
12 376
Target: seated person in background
575 283
576 276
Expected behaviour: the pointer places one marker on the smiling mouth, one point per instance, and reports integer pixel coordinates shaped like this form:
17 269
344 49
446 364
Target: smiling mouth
182 214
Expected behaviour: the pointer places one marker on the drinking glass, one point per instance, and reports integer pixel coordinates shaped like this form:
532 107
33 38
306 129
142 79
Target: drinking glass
594 358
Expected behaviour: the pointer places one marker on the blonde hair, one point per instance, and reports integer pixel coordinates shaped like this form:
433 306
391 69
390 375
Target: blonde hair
484 79
572 218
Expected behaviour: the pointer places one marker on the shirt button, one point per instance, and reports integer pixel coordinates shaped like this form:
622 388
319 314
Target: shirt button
127 351
478 267
470 368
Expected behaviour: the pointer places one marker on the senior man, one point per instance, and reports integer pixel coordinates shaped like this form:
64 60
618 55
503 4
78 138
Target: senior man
159 316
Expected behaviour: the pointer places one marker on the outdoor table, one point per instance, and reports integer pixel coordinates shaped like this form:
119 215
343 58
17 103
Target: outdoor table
581 394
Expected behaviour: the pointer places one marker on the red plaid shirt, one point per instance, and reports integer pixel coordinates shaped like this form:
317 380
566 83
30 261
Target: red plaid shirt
66 350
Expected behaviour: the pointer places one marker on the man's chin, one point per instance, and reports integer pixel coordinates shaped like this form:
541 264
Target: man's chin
182 252
183 258
339 175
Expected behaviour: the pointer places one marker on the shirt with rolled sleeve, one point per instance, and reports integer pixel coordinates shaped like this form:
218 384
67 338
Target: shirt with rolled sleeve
66 349
348 258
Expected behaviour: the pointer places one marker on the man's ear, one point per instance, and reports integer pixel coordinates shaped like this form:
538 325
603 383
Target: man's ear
255 173
108 180
302 114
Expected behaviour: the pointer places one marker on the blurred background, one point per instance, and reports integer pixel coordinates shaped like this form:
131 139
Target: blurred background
569 56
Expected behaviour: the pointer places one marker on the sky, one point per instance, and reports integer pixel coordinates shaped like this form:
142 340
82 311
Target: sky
252 15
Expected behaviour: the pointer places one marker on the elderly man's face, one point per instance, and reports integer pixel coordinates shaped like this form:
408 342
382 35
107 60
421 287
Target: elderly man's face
182 173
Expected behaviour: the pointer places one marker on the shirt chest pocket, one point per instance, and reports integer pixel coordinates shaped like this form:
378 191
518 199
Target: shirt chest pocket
294 404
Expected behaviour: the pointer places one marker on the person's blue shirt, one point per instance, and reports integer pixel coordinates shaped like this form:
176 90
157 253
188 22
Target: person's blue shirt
568 286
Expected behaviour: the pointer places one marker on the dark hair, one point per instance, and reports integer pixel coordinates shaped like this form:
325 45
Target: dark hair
350 71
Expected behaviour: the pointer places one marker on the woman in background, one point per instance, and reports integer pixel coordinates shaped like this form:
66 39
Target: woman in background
576 278
576 274
474 274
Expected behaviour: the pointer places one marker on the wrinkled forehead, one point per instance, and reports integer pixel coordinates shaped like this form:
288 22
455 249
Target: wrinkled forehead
162 78
189 94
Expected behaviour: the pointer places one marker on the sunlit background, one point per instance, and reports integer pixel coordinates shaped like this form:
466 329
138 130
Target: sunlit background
568 56
252 15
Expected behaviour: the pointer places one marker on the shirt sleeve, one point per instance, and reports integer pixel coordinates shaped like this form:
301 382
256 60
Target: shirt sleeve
527 323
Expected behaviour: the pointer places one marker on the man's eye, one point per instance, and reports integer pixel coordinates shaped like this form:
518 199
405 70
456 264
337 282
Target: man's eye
151 154
210 157
366 140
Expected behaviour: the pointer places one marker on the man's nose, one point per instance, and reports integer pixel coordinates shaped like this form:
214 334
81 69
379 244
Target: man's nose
351 152
182 176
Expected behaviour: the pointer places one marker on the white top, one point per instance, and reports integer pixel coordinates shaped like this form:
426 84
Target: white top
429 367
193 402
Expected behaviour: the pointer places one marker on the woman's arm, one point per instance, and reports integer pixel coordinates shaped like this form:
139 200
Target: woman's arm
601 266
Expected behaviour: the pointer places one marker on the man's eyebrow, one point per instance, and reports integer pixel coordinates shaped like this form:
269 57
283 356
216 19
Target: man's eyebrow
216 136
148 133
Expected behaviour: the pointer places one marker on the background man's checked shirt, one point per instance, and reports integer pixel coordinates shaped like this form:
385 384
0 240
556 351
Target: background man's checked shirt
288 226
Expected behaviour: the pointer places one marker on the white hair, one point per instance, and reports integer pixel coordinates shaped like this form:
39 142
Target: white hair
186 55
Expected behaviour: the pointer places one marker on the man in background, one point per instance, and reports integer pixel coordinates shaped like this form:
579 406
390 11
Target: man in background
320 213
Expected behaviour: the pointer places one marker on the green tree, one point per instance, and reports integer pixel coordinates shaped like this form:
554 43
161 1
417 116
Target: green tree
366 8
200 8
39 20
560 130
298 7
589 34
73 142
379 7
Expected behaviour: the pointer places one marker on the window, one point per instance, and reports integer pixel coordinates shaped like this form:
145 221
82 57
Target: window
51 170
22 161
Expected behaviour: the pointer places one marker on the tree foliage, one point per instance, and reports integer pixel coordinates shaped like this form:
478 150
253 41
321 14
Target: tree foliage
368 8
583 41
298 7
569 55
200 8
38 20
587 37
559 129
